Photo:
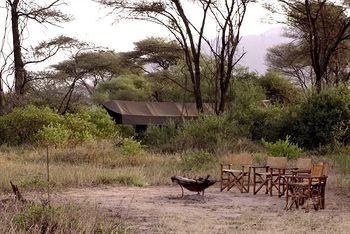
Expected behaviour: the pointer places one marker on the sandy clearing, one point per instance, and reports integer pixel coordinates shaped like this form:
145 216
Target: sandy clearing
161 210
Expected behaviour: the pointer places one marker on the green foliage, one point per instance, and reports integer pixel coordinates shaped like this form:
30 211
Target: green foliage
21 125
33 215
269 122
198 160
82 129
131 147
105 126
278 89
283 148
66 218
321 117
206 132
161 137
33 124
54 134
125 87
155 50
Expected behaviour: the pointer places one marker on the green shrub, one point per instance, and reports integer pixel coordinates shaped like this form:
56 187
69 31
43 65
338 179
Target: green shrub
30 124
104 126
206 132
161 137
279 89
54 134
197 160
21 125
131 147
269 122
321 117
283 148
82 129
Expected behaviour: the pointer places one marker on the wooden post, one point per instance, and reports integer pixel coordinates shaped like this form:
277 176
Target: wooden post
48 173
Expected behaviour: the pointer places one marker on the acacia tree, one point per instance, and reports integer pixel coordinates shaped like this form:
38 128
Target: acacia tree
86 68
227 15
155 51
292 60
159 58
323 27
22 12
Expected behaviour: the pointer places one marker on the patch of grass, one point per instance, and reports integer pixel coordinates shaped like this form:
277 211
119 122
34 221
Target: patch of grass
197 160
64 218
134 180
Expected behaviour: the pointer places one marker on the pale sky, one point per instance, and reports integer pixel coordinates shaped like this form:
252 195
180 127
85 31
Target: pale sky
92 25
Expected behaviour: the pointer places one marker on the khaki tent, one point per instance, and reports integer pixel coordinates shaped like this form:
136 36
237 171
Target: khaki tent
146 113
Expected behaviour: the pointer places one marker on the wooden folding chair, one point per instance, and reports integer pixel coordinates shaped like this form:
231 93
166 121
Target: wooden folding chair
303 187
271 176
237 173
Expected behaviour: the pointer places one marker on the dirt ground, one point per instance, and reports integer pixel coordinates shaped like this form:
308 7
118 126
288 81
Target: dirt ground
161 210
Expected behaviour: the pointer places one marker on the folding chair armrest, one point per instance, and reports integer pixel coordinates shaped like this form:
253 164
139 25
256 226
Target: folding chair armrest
259 167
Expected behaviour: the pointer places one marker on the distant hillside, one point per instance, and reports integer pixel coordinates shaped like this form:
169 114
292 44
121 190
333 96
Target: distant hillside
256 47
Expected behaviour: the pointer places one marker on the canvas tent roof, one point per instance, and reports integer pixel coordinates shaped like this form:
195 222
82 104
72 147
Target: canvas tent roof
145 113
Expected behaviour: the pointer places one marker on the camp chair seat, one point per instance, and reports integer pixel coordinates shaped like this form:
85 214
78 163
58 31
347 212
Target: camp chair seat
267 173
237 173
232 171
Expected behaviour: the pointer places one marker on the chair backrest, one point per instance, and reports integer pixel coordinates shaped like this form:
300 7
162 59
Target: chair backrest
325 169
277 162
304 164
242 159
318 169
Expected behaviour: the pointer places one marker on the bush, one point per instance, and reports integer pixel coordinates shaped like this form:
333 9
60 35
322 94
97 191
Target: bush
131 147
161 137
31 124
321 118
197 160
206 132
104 126
268 123
283 148
279 89
54 134
21 125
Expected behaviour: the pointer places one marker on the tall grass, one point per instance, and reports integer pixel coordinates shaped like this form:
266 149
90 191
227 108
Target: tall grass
95 164
64 218
102 163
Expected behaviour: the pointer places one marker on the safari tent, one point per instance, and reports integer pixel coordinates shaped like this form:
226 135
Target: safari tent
147 113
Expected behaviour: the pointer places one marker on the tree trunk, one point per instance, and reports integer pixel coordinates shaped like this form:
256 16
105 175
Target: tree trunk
318 83
20 72
2 97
